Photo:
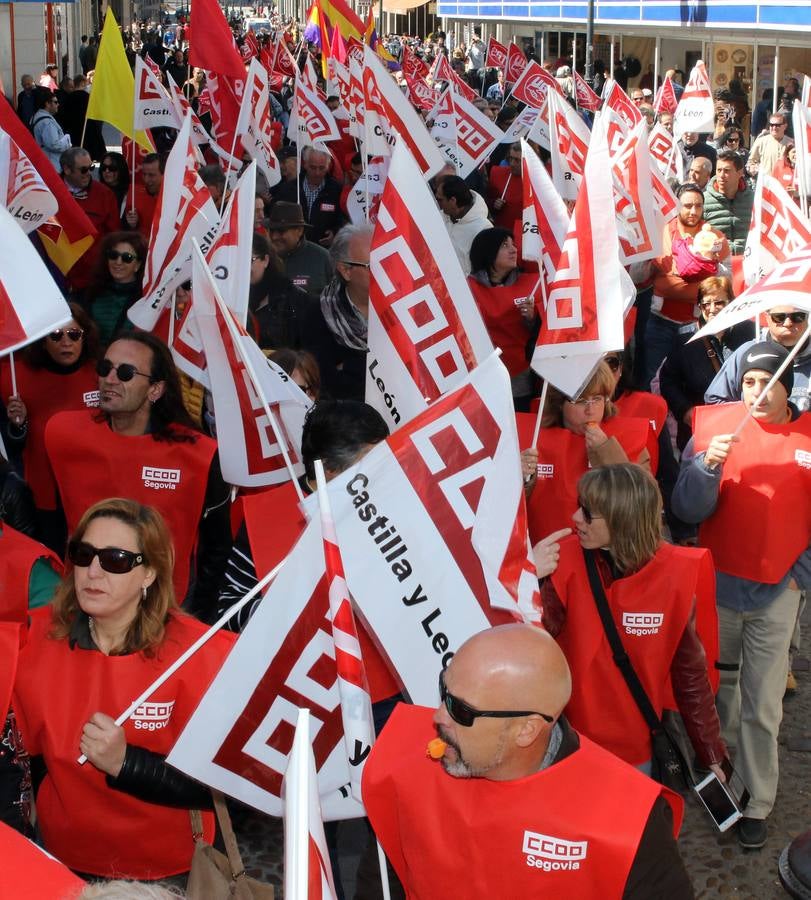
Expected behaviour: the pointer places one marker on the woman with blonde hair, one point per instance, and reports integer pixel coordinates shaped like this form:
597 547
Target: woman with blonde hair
660 598
113 627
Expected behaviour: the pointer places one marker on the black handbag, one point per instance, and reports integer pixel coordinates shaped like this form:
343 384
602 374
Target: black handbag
668 765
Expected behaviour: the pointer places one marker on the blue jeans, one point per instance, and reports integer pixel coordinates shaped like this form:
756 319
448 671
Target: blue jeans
660 338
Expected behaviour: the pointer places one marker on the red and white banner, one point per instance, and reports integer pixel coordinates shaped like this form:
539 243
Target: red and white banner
250 46
463 133
184 211
545 221
621 115
639 226
696 110
778 229
307 868
441 70
801 123
496 56
389 117
789 284
241 735
666 202
569 138
516 63
23 192
254 123
666 100
420 93
425 332
153 105
369 187
533 84
31 305
433 518
355 104
590 290
311 120
353 687
463 89
665 153
584 95
199 135
532 123
258 407
412 66
283 62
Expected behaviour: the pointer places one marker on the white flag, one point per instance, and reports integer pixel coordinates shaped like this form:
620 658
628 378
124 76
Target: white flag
569 143
153 106
696 110
22 190
471 138
254 123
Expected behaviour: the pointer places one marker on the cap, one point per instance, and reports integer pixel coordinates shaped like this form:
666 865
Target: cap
768 356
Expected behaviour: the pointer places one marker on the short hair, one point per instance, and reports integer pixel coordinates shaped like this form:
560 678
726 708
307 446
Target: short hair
687 187
68 157
337 431
730 156
703 162
781 116
289 359
340 245
146 632
628 498
308 151
454 188
714 284
261 246
42 95
155 158
212 175
601 382
485 247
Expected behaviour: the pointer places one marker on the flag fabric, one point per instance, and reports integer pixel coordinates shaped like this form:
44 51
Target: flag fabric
516 63
184 210
256 404
639 225
584 95
68 234
420 93
355 103
425 332
528 119
23 278
470 138
250 46
462 88
696 110
112 98
441 69
184 110
412 66
240 737
666 99
801 124
225 95
533 84
23 192
312 29
545 220
621 115
369 187
584 312
353 688
778 229
788 284
451 539
154 108
311 120
496 56
283 62
340 15
569 138
307 868
337 48
254 123
665 153
213 47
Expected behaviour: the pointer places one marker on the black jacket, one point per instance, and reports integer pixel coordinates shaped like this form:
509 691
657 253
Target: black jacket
282 321
325 213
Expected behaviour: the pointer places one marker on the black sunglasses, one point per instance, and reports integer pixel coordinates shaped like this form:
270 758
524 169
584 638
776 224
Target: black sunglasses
75 334
126 256
613 363
466 715
123 371
794 317
111 559
107 167
186 286
83 169
588 515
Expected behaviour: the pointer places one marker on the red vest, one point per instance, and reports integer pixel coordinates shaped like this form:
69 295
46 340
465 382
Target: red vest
762 523
644 405
513 208
271 543
91 463
86 824
562 459
18 553
651 609
33 874
569 831
145 205
45 393
503 321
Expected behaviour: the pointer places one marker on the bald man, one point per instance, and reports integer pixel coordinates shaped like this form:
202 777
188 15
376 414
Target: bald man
517 804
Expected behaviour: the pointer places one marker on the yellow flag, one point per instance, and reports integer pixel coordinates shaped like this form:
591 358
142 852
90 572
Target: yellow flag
112 97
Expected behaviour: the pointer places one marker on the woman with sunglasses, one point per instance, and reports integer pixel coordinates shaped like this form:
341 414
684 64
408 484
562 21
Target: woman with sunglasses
112 629
575 436
117 281
115 173
56 373
662 600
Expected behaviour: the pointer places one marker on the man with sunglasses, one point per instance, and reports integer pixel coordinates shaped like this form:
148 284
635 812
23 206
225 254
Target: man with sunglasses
767 148
518 804
144 446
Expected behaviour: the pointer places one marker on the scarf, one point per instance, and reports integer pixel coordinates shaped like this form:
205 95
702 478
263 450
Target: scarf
343 319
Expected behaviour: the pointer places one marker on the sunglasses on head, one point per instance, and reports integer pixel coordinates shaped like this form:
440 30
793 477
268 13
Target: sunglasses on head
466 715
111 559
795 318
75 334
123 371
125 257
588 515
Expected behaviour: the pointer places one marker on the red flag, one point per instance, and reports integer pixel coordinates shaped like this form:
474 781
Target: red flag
463 88
586 98
226 101
441 69
419 93
639 226
621 115
496 56
569 138
412 65
337 48
283 62
214 47
254 124
250 46
532 85
516 63
354 50
666 100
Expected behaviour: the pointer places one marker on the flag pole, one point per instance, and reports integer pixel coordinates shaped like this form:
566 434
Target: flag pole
203 639
13 369
537 430
133 173
503 195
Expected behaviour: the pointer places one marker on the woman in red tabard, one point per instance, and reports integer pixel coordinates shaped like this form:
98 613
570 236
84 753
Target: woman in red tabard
504 295
112 629
56 373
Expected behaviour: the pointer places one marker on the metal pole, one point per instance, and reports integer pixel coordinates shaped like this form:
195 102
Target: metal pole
588 69
658 52
754 99
776 70
611 63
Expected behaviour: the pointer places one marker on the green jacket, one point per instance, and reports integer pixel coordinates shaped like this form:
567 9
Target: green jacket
729 216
